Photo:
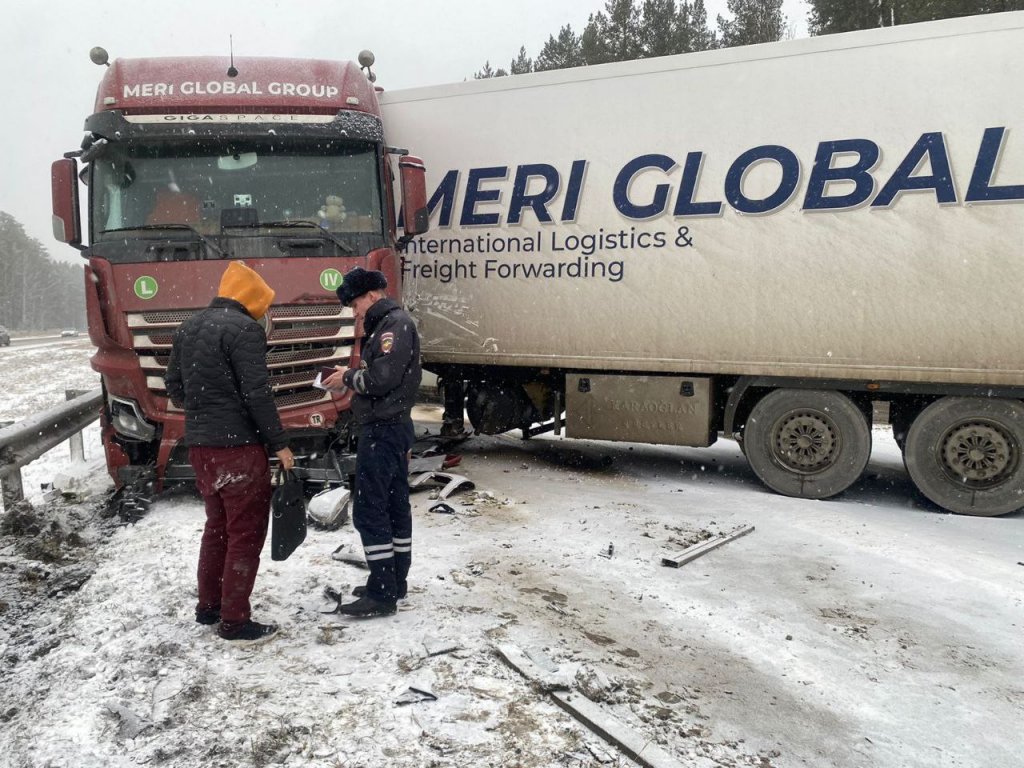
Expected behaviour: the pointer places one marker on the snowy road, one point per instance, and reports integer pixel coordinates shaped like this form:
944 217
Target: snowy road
870 630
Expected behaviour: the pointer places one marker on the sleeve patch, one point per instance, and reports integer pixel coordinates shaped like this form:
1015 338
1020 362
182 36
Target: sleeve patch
387 342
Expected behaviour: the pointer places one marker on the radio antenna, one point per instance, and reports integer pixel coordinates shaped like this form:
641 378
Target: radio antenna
232 72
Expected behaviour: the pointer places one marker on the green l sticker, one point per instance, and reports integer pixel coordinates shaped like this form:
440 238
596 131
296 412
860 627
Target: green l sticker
331 279
146 287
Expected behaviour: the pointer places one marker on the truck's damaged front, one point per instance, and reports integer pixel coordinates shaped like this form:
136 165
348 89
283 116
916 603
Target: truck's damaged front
282 164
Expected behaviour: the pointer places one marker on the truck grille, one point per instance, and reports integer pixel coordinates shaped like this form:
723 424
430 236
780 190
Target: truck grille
303 337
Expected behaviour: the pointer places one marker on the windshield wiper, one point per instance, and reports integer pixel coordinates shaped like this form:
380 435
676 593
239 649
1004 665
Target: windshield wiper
199 235
345 247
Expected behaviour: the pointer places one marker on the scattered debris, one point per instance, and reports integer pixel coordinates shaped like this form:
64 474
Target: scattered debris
329 509
442 508
350 558
615 732
600 754
692 553
594 684
330 593
545 680
587 712
440 647
607 553
451 483
130 724
425 462
414 696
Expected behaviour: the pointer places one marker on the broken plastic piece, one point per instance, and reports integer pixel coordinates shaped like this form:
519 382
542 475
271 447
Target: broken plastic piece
351 558
414 695
330 509
442 508
425 463
454 483
330 593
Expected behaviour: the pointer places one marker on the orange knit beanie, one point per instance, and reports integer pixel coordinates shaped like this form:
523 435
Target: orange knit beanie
246 287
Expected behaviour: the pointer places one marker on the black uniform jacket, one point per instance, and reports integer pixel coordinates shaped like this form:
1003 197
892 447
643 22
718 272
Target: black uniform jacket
389 372
218 373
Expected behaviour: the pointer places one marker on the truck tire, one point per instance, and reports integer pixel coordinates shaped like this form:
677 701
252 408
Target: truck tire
807 443
965 454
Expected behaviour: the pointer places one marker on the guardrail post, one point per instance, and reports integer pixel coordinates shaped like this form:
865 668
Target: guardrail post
11 489
75 441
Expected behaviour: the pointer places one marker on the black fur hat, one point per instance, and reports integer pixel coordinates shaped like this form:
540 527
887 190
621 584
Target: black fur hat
359 281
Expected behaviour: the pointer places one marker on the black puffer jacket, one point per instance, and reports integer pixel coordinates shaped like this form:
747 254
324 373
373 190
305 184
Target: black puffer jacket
389 370
218 373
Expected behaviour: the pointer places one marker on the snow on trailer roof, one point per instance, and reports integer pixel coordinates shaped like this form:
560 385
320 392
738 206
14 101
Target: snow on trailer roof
262 84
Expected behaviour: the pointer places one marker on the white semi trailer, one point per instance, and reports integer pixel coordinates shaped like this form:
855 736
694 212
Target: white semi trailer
756 242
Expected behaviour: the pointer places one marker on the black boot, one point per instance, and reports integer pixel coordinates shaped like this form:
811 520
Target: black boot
207 615
250 630
366 607
403 589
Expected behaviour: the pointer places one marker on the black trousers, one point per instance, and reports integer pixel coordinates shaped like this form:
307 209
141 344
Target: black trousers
381 511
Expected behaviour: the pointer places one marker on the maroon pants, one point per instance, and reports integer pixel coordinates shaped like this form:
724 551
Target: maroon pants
235 484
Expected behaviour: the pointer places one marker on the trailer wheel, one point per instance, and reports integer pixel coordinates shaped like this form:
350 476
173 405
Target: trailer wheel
806 443
965 454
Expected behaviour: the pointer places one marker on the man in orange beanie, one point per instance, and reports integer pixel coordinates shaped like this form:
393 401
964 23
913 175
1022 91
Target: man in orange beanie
218 374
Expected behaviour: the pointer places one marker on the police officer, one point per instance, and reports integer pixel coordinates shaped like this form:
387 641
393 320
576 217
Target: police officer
385 386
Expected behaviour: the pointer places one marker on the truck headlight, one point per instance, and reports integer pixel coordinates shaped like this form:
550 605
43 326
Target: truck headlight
128 421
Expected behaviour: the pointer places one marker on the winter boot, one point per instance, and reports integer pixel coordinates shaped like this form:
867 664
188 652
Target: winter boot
250 630
207 615
366 607
403 589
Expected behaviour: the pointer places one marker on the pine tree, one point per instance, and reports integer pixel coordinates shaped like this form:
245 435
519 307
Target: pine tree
593 45
561 52
693 27
35 291
489 71
521 64
659 31
828 16
623 30
612 35
754 21
911 11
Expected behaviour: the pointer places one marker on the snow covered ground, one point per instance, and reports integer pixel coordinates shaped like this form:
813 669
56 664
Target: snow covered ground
871 630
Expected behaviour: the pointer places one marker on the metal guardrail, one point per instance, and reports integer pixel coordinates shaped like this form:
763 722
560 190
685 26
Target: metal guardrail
27 440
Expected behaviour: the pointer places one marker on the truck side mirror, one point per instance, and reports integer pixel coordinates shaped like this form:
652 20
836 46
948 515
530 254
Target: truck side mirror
415 216
67 226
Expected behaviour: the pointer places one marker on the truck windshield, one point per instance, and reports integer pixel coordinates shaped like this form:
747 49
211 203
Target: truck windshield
330 184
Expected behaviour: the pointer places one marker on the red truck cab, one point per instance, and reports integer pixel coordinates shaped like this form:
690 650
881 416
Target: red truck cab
189 163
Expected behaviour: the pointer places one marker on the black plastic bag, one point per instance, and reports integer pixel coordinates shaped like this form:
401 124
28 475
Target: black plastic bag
287 516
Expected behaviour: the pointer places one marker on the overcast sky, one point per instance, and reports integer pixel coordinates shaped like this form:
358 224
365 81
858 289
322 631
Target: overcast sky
49 84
